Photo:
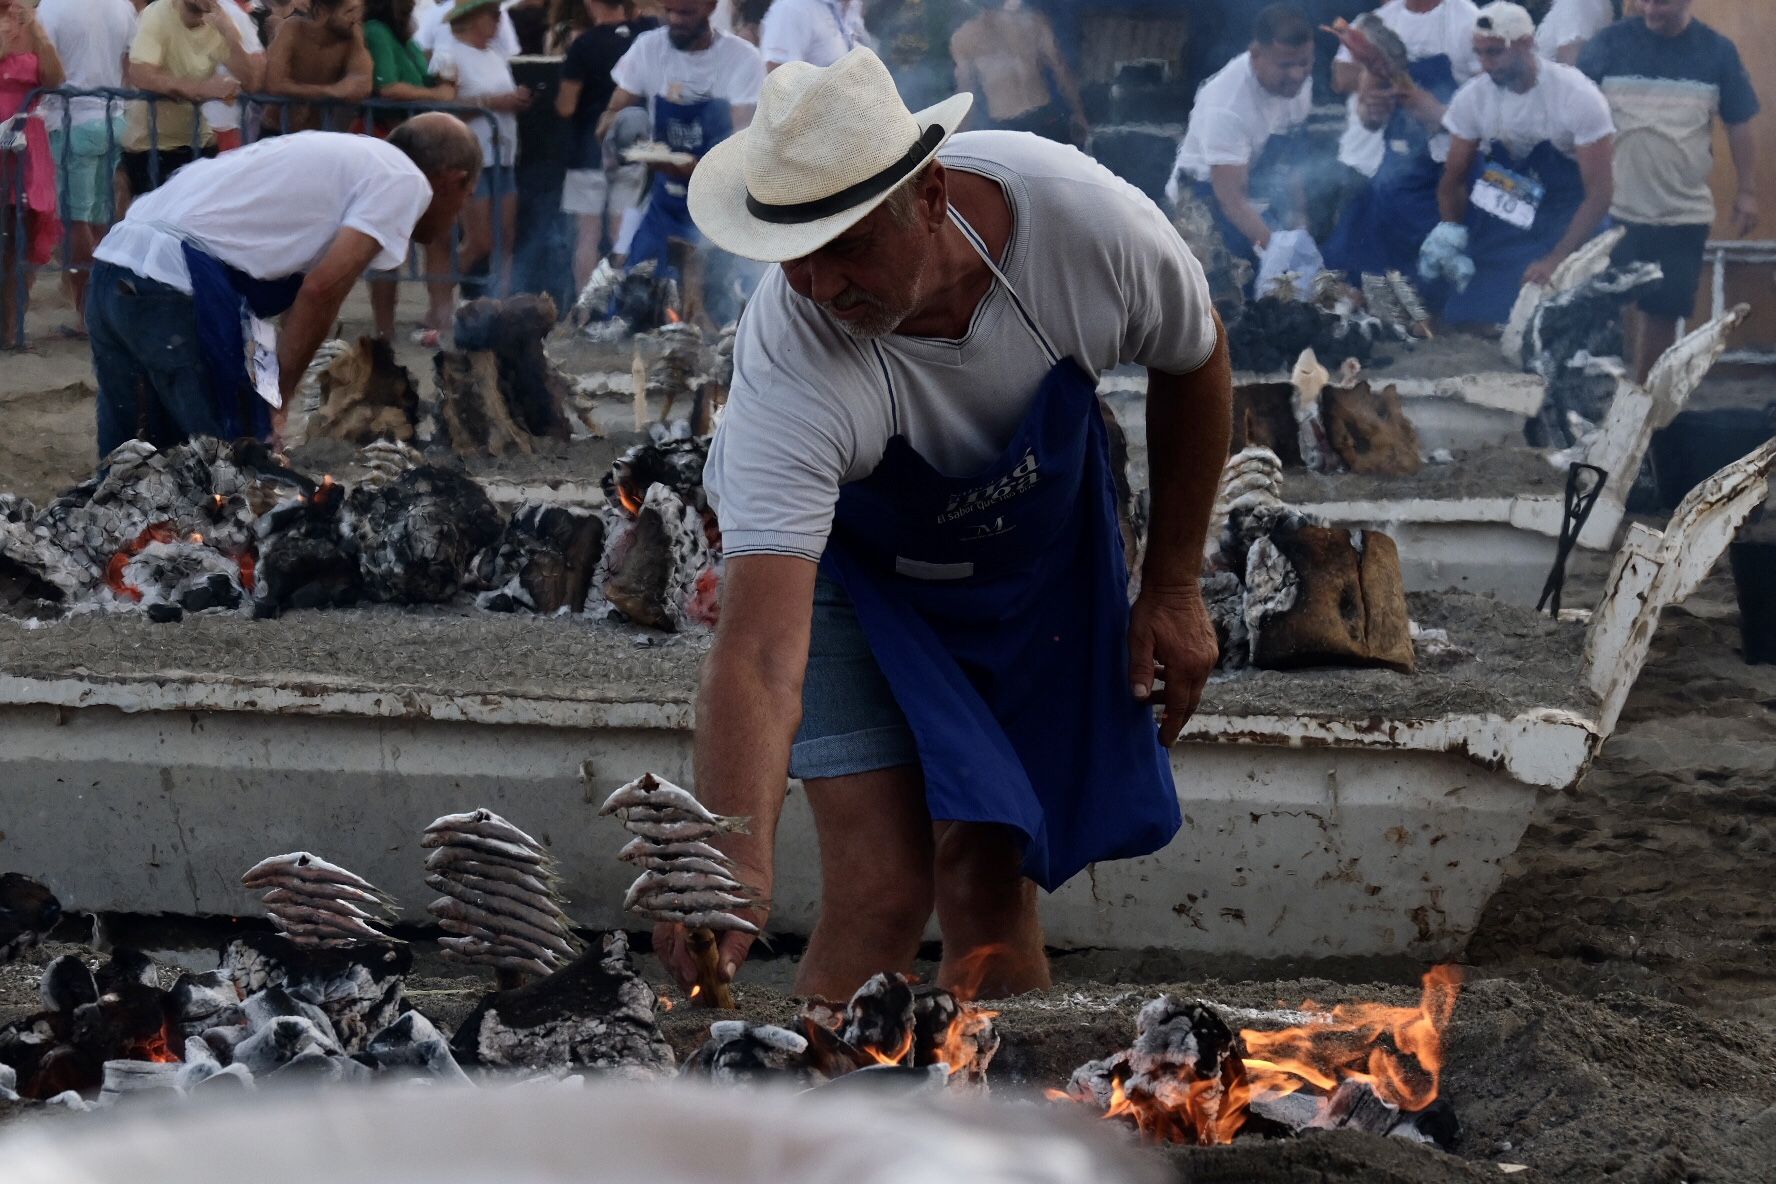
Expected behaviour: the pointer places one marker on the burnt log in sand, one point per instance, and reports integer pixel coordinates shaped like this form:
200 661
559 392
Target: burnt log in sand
544 560
1368 430
1327 596
419 534
532 390
366 395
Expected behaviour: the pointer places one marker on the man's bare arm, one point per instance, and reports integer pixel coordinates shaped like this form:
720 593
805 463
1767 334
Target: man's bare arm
359 82
1452 190
316 309
620 100
1742 142
1189 424
567 97
1232 184
161 81
749 706
247 67
1596 168
1345 76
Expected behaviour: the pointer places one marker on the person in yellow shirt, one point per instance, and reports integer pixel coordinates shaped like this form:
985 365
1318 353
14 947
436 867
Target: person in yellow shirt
178 47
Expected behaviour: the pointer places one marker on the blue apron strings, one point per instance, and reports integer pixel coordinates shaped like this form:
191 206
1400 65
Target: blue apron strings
1023 311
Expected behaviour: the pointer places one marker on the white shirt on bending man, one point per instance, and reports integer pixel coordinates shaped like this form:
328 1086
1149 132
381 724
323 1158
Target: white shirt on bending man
1103 272
1234 118
1564 108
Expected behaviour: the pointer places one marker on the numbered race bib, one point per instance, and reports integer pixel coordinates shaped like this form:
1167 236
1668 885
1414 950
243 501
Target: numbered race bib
1508 196
262 357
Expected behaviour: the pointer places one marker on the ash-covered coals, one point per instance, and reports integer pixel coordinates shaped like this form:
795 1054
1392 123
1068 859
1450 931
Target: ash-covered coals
417 536
891 1028
661 561
501 907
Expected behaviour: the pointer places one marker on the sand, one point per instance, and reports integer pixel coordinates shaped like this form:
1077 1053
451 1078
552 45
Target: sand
1489 473
1521 661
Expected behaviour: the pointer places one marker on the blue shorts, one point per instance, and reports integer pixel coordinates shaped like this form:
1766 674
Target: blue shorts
497 178
850 720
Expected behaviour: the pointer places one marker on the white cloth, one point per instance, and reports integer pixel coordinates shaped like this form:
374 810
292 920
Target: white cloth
91 37
431 31
1291 252
1572 20
730 70
477 74
1232 121
818 32
1445 29
1103 272
273 208
226 116
1564 108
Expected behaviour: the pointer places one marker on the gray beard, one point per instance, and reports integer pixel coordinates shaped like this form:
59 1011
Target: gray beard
882 320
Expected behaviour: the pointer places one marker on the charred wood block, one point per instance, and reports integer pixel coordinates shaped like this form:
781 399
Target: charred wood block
1264 417
418 535
738 1052
301 571
67 984
595 1012
28 911
473 407
881 1017
1368 430
514 329
366 395
1336 598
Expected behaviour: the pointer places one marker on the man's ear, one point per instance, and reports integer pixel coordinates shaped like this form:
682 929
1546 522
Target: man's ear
934 196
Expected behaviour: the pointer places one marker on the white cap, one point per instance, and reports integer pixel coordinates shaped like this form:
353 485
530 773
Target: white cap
1511 22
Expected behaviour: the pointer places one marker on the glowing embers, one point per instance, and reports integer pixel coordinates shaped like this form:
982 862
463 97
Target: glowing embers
1189 1079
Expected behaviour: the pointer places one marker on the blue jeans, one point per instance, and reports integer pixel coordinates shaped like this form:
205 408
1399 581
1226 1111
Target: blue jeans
851 722
152 378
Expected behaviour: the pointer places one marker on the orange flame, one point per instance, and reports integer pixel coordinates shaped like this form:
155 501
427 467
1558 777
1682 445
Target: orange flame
898 1056
1396 1051
696 991
626 496
972 970
672 318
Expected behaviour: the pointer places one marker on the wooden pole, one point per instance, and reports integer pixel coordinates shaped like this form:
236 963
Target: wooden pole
712 989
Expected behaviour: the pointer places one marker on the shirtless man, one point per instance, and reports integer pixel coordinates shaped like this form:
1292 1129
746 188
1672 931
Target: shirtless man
319 54
1007 56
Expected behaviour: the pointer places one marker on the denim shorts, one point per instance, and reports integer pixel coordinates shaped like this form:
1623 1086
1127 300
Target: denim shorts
850 720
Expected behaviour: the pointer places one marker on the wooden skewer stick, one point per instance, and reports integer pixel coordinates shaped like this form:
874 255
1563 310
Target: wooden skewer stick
638 375
712 990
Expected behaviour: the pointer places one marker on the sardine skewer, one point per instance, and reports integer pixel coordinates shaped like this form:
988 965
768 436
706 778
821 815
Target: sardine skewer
640 848
488 825
304 865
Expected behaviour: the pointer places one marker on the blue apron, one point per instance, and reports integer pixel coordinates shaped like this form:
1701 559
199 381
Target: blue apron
219 295
997 606
1502 252
684 127
1268 181
1384 226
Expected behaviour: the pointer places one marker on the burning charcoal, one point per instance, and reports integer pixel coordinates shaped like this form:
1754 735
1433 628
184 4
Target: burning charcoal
213 1078
1353 1105
520 928
1436 1123
365 395
544 561
1099 1083
123 1078
417 536
658 568
738 1052
28 911
594 1013
1186 1074
68 983
879 1018
274 1003
412 1043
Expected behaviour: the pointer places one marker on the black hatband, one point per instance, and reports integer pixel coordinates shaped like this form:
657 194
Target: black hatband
852 195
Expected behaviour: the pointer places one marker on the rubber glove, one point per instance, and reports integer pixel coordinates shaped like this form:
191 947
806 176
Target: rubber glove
1444 256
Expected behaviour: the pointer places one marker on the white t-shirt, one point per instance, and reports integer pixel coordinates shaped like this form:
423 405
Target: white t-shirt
431 31
1564 108
273 208
818 32
1573 20
478 73
226 116
1232 120
1447 29
730 70
1099 266
91 37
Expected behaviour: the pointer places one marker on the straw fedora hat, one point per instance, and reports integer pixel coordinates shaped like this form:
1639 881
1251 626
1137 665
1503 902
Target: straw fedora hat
825 147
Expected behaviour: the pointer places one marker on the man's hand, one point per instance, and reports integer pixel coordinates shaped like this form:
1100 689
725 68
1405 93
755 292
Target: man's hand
509 103
219 86
672 942
1542 270
1172 640
1745 215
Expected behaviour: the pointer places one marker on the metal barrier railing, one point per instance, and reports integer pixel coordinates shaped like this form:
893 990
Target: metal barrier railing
368 116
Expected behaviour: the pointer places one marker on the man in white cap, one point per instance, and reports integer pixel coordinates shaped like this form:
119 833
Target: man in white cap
1528 177
924 607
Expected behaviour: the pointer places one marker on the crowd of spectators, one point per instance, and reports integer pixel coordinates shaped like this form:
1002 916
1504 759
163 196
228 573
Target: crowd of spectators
1592 114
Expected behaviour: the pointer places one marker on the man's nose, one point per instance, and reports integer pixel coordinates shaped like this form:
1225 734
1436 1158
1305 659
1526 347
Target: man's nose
822 280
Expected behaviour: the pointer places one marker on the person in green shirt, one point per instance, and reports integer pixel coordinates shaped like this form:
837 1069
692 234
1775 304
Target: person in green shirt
400 76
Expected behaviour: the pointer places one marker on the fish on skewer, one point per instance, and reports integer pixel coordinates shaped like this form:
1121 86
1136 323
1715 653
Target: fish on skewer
487 936
480 863
542 917
672 814
311 868
487 825
686 863
305 891
650 792
694 901
640 848
516 853
482 954
688 831
701 920
652 881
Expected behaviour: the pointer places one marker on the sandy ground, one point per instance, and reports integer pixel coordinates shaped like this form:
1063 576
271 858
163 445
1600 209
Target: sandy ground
1621 1021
